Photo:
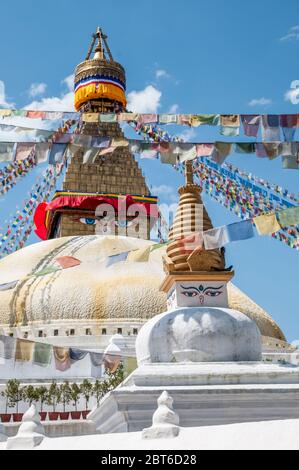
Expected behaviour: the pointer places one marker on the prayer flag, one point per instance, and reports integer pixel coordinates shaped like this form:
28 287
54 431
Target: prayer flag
6 151
240 230
8 347
109 117
24 350
116 258
67 261
8 285
270 127
42 150
112 357
141 255
251 124
23 150
215 238
231 120
266 224
229 131
168 118
290 163
288 217
96 358
62 358
90 117
244 147
56 153
77 354
90 155
42 354
204 150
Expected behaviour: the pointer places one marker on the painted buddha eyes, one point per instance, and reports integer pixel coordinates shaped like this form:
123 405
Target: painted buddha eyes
193 291
94 221
87 220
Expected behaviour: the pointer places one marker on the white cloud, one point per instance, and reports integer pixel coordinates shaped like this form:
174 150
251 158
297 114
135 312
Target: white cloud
37 89
292 34
69 82
260 102
64 102
144 101
162 189
160 73
3 100
187 135
165 191
173 109
292 95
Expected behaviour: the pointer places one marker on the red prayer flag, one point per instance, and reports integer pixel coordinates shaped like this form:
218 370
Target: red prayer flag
68 261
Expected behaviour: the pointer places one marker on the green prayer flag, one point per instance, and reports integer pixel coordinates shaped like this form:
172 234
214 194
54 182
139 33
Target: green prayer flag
229 131
49 270
19 112
42 354
244 147
210 119
289 216
108 117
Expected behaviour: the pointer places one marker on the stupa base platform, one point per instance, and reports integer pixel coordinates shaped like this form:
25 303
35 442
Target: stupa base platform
204 394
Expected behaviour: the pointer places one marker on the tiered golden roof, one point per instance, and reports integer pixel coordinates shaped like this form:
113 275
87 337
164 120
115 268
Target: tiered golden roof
100 81
185 253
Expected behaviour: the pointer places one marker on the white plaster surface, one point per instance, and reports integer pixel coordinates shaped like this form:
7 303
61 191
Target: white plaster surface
125 290
203 394
198 334
276 434
198 294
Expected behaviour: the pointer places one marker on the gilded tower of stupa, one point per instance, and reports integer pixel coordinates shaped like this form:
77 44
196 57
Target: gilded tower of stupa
87 303
183 253
100 85
194 276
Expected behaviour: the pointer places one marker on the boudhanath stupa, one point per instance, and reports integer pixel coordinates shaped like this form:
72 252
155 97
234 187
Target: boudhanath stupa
86 305
197 337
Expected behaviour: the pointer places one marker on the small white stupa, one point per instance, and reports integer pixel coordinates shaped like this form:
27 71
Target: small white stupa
206 355
30 433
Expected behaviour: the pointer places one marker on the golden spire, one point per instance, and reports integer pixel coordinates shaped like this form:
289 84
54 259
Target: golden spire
101 47
99 66
189 172
99 50
185 253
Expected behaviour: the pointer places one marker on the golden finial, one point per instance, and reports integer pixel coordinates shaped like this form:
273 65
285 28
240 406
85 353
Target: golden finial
189 172
99 50
101 47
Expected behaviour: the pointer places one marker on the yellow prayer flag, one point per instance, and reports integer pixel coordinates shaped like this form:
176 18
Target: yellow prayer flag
141 255
90 117
24 350
195 121
119 143
266 224
5 112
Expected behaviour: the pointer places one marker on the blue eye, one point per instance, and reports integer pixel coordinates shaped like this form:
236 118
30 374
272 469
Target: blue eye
121 223
87 221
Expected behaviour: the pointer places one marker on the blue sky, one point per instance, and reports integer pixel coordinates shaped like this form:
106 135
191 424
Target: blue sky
194 57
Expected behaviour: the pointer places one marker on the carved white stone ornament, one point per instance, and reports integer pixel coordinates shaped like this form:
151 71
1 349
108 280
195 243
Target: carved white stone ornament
30 433
165 420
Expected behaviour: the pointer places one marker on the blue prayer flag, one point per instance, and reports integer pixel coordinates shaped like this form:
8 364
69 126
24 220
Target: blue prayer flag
240 230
